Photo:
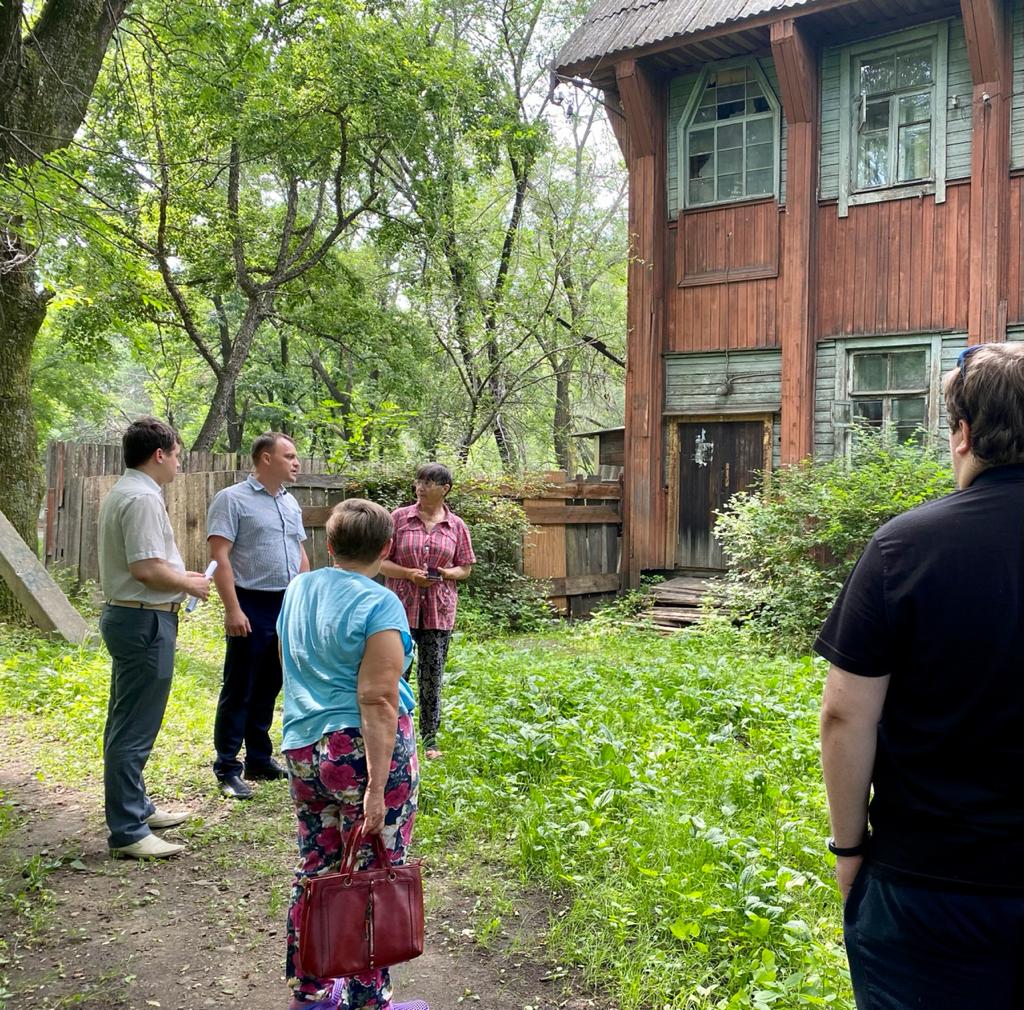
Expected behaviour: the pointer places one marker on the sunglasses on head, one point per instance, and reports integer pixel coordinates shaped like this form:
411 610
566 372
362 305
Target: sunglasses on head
961 361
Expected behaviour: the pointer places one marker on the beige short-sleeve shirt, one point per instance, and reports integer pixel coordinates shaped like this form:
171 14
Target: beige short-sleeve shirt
134 526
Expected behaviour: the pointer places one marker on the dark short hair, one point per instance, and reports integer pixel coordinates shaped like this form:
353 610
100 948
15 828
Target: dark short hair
267 442
988 393
436 473
144 436
358 529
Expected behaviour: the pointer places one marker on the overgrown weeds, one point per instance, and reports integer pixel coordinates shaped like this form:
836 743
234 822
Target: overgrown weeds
664 791
669 790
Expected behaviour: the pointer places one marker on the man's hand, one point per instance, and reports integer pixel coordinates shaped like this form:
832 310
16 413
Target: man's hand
236 624
197 584
847 868
373 812
419 578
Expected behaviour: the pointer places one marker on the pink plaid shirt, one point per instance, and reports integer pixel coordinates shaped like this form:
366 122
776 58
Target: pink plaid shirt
447 545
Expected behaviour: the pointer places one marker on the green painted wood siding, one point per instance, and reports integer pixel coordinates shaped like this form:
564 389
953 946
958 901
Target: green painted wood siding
1017 111
678 95
958 120
692 380
828 165
824 394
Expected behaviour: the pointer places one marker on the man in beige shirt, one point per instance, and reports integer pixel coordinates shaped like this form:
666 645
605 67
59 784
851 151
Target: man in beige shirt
144 581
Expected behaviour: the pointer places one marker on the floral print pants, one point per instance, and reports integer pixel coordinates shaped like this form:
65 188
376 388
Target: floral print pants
431 655
327 780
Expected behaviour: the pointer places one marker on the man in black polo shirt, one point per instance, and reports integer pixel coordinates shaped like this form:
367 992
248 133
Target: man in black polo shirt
924 704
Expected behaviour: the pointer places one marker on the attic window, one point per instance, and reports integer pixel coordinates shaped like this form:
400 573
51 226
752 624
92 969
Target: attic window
729 137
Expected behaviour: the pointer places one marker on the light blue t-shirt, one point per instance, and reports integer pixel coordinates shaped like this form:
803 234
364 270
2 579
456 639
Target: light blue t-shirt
326 618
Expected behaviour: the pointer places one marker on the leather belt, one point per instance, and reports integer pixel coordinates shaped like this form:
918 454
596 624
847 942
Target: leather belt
169 608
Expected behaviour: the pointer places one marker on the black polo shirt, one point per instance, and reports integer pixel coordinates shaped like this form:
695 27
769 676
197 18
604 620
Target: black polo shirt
937 602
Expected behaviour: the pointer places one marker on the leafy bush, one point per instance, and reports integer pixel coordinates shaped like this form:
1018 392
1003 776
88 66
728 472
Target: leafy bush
790 546
497 596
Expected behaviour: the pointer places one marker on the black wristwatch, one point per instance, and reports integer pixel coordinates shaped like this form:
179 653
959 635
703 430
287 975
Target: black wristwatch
852 850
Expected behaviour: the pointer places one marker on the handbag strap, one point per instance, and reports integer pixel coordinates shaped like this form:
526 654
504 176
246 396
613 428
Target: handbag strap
355 841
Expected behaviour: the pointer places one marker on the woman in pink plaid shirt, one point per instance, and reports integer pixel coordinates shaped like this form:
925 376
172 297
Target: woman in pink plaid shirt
430 553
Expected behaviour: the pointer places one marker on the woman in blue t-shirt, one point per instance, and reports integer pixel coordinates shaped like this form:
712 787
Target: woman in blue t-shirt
348 729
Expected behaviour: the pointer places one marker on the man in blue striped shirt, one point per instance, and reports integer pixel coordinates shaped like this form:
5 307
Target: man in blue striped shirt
255 534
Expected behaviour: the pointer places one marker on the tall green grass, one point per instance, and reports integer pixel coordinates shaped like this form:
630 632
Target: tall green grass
669 789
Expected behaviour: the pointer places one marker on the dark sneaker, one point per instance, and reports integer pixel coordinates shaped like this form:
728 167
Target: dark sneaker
235 788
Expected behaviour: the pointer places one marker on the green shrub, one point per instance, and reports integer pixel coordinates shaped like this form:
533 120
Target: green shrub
498 596
790 546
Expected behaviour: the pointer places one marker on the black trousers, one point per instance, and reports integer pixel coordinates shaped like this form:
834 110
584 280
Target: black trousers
926 948
252 682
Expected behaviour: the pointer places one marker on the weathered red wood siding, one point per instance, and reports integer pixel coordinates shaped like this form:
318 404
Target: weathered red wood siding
706 247
894 267
1015 265
644 496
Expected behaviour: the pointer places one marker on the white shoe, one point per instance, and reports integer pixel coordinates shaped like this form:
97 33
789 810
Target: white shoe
149 847
160 819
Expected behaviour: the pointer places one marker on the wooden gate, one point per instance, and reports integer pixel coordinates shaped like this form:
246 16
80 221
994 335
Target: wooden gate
716 458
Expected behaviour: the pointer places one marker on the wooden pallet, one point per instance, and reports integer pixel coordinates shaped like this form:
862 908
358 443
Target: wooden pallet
678 603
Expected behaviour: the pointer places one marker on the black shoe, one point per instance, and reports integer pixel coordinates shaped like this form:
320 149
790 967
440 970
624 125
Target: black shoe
233 786
269 772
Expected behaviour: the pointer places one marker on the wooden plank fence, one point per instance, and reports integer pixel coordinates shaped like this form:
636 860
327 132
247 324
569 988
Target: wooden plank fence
574 542
69 463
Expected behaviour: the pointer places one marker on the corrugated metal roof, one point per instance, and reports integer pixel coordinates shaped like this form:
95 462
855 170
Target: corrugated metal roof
612 26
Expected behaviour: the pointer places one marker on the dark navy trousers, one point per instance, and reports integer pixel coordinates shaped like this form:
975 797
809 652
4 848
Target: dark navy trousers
252 682
141 646
929 948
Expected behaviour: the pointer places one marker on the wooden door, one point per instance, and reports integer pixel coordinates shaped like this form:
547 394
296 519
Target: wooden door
716 459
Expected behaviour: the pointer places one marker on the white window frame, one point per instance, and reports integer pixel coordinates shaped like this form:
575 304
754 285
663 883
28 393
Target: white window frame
842 402
938 34
686 122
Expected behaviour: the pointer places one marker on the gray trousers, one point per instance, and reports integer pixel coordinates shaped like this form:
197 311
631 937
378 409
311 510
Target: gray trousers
141 646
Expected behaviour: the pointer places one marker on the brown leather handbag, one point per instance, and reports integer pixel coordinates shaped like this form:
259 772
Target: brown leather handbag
355 921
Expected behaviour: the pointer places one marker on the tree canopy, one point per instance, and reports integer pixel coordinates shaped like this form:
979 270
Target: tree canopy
366 224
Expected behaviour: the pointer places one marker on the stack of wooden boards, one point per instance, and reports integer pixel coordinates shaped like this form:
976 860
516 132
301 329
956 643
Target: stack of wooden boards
678 602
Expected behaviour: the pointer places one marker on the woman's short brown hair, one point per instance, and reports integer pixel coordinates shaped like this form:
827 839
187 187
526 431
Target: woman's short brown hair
435 473
357 530
987 391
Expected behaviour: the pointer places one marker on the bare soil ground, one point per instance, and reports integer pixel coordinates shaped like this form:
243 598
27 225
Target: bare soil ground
207 929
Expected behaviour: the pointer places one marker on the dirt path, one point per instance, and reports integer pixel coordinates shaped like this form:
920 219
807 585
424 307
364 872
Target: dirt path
207 929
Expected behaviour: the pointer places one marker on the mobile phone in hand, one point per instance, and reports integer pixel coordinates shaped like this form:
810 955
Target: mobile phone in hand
434 574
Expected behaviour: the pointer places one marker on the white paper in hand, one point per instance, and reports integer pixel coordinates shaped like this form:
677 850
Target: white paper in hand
193 601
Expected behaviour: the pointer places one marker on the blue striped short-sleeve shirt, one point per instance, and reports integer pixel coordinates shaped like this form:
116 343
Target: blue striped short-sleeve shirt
265 531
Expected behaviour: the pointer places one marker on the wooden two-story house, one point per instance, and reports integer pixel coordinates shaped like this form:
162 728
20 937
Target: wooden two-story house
825 206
